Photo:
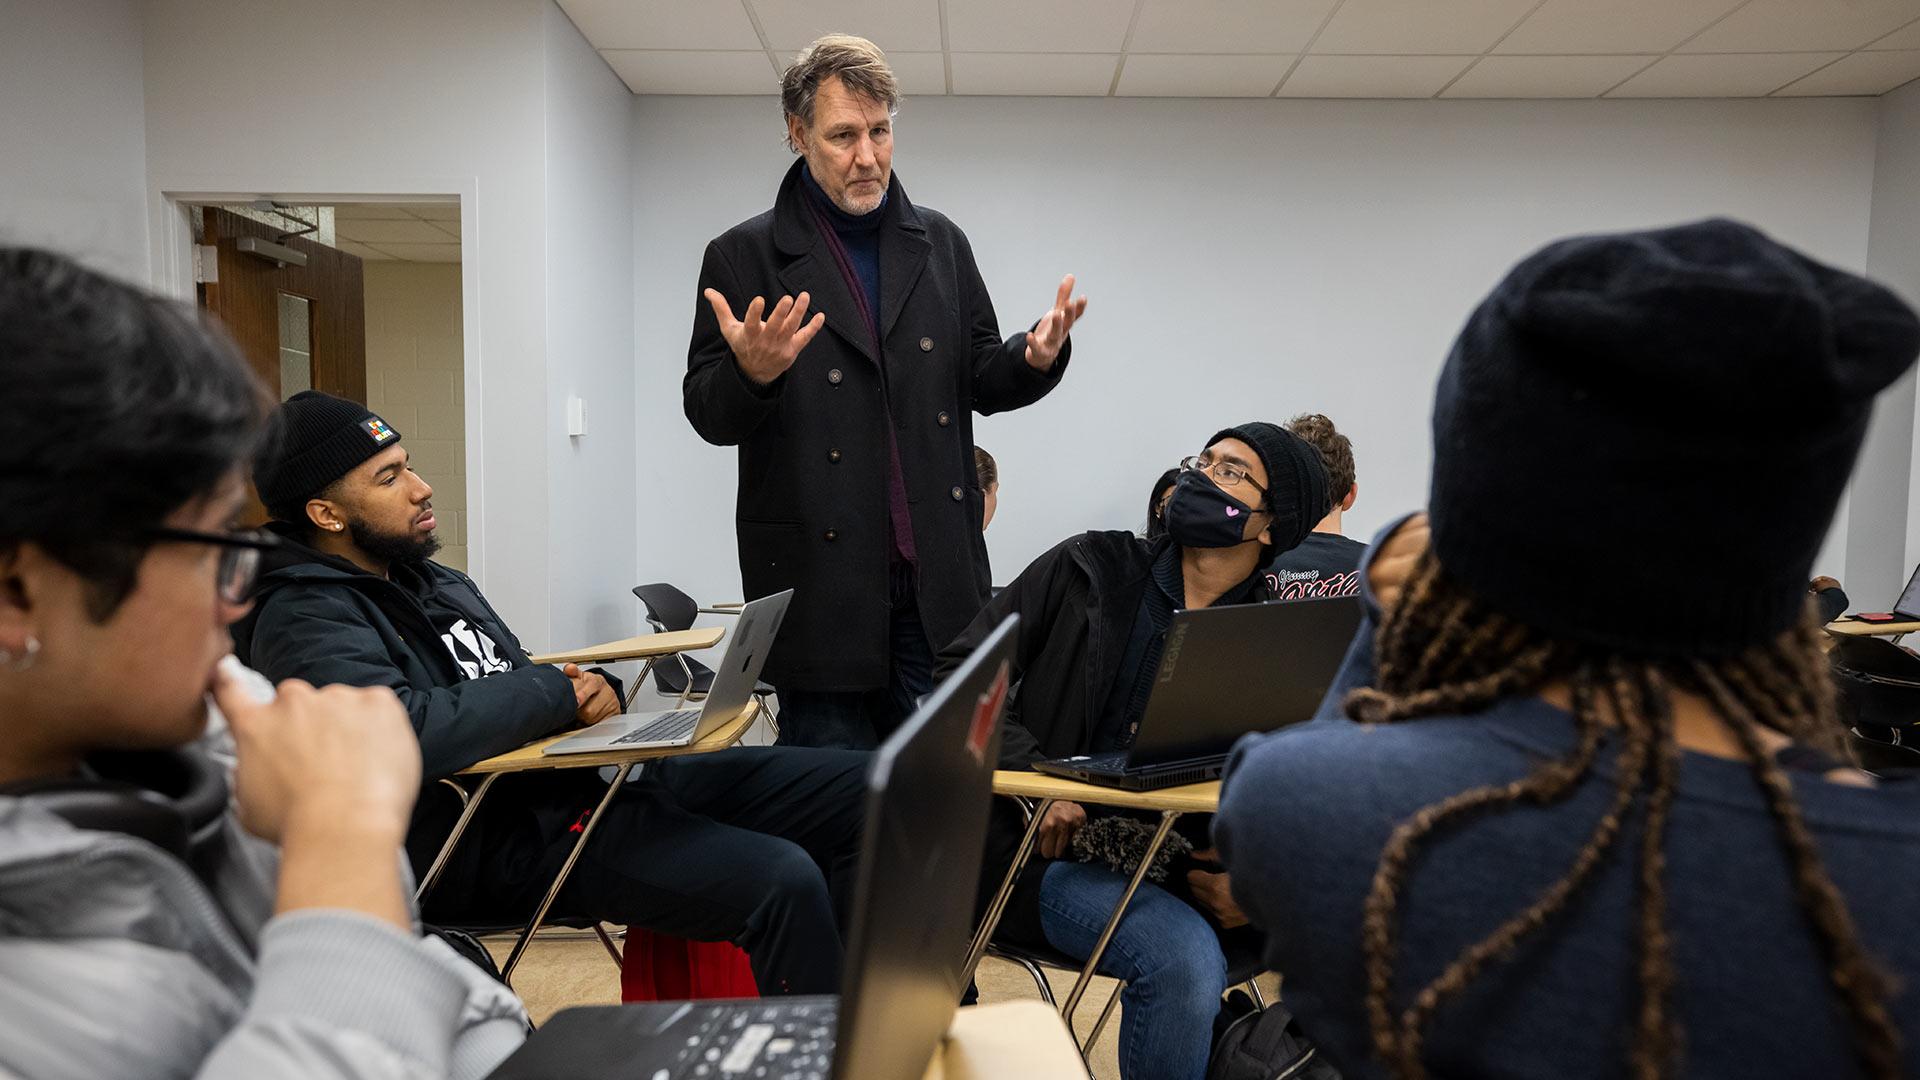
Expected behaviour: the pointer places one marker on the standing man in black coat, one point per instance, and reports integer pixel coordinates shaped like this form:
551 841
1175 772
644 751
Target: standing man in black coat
857 485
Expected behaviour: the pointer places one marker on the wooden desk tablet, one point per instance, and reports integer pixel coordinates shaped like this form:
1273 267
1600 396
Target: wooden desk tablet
1858 628
643 647
1046 790
1023 1039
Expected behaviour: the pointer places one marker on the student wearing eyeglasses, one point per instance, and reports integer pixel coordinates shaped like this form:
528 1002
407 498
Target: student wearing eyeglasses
1094 613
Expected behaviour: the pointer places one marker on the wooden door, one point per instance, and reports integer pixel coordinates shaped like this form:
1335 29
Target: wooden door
272 310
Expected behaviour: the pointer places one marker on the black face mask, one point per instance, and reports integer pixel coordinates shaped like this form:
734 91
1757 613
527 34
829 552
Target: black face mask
1201 515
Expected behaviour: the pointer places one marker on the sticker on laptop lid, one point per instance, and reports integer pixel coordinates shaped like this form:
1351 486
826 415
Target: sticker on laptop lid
986 715
378 429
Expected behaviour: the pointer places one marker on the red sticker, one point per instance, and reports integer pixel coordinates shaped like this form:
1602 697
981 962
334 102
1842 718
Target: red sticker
987 714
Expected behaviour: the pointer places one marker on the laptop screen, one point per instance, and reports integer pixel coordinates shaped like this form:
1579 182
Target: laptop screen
1909 602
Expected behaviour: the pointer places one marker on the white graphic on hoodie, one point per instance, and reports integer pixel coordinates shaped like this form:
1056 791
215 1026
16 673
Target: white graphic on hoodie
474 651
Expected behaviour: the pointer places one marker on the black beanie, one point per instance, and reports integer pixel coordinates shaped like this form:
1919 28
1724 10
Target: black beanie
314 439
1296 480
1640 439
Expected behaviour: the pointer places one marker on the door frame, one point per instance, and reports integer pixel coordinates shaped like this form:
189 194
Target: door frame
172 256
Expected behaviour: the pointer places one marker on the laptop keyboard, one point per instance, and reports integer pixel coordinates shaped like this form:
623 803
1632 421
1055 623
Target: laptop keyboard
1112 762
781 1041
666 727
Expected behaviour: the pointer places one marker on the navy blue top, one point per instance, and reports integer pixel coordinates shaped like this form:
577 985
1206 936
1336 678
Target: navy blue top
859 235
1307 810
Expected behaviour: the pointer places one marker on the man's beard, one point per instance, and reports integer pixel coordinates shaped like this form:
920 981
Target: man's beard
393 547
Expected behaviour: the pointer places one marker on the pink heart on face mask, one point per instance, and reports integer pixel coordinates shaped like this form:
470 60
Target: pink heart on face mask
1233 511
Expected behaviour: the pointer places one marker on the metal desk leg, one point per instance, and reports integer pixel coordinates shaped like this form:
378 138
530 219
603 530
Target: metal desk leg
633 692
566 870
453 838
1100 947
991 921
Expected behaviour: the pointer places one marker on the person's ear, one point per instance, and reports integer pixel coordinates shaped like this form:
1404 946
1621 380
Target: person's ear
796 134
325 516
1353 492
16 601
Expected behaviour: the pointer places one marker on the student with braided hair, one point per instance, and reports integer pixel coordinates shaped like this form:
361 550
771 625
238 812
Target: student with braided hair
1538 831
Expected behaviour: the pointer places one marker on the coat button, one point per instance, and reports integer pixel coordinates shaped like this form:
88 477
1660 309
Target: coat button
958 493
833 456
943 419
832 535
926 344
834 376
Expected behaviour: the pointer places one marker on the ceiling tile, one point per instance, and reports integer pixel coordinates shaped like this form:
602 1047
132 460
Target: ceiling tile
1722 75
918 73
435 211
1227 26
1908 38
1418 27
363 251
663 24
1613 26
1162 75
1040 26
1545 76
371 212
907 25
1371 76
440 253
1805 25
1033 73
1862 73
370 231
650 72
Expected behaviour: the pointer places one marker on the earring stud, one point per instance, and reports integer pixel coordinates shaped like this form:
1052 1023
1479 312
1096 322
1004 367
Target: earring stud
25 659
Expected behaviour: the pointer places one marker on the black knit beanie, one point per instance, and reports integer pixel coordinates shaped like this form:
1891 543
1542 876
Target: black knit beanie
1640 439
314 439
1296 480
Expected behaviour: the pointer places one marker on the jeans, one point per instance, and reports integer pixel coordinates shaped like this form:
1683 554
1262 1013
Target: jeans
862 719
1166 952
756 846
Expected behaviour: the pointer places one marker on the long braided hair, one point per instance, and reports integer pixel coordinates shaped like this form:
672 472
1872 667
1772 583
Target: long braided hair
1441 651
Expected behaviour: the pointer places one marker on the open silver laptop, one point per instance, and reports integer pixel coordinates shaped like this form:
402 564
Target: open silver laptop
733 684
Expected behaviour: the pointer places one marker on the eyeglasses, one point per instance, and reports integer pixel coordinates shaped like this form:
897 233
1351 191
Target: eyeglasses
1224 472
239 556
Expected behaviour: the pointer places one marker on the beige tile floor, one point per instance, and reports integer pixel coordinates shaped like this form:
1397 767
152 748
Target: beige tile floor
565 967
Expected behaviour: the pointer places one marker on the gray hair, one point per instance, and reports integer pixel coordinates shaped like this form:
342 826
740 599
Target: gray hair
859 63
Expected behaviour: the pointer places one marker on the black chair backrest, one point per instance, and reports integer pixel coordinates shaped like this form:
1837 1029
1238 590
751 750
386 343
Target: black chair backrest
1879 683
667 606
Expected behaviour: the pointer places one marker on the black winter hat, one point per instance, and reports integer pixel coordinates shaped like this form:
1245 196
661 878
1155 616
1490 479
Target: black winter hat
1640 439
1296 480
314 439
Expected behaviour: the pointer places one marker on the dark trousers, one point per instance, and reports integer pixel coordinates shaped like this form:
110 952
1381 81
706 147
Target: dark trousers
756 846
862 719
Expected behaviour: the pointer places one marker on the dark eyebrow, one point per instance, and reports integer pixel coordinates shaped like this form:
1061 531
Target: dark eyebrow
395 466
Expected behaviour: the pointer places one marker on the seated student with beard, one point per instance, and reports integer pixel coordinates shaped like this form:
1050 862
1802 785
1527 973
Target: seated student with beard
1094 613
180 898
1552 832
750 845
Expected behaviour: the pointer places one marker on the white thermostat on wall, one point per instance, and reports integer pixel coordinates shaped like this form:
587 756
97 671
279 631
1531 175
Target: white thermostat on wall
576 417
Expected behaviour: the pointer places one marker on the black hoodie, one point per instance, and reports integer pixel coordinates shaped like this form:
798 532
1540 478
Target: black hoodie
321 618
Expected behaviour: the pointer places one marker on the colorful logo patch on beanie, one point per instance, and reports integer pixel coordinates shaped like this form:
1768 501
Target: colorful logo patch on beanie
376 427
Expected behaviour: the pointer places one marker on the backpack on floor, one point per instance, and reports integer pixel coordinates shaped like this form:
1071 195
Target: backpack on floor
1263 1044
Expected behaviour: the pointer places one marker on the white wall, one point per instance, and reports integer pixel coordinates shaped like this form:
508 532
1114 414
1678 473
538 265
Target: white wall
377 98
1243 259
73 174
416 366
1894 460
589 354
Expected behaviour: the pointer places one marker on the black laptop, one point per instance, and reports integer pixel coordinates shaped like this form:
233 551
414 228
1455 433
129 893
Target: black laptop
928 791
1224 672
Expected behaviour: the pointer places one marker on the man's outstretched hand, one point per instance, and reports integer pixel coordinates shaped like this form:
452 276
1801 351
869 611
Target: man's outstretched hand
1046 338
766 348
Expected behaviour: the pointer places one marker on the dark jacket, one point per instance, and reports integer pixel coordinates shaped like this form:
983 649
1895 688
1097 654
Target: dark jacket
1076 605
812 509
325 620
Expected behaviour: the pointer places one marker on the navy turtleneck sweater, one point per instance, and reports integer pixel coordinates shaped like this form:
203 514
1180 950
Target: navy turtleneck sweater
859 236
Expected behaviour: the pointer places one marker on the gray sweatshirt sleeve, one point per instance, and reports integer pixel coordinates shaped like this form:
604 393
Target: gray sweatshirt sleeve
343 996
